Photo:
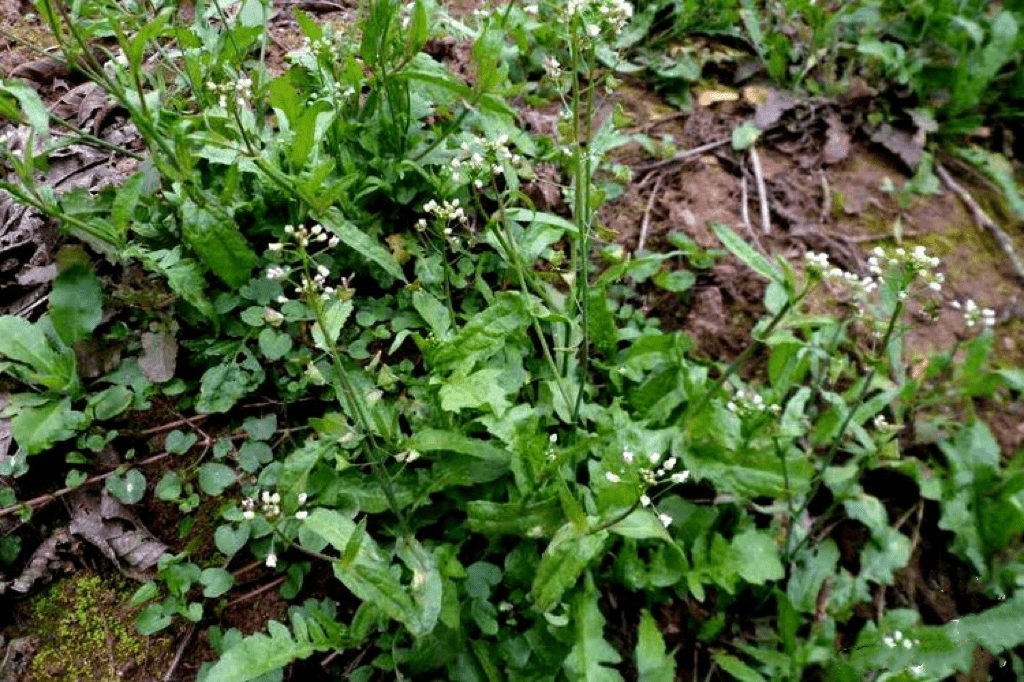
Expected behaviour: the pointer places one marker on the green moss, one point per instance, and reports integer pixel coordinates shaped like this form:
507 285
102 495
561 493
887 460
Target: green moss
86 632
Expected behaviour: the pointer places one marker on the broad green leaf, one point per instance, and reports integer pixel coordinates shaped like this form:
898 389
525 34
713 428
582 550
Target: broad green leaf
737 668
36 359
434 313
216 581
972 450
274 344
222 387
758 557
745 136
76 303
129 488
335 316
536 520
591 654
603 330
36 428
111 402
747 254
360 242
152 619
485 334
564 560
229 540
435 440
366 570
30 104
642 524
480 389
218 243
653 663
215 478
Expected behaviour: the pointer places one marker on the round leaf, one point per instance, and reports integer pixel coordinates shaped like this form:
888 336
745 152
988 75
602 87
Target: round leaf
215 477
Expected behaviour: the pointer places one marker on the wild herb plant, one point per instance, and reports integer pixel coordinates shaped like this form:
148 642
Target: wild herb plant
472 431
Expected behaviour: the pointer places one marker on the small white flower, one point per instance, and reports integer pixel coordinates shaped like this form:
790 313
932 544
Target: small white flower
272 560
680 477
248 515
276 247
645 501
593 30
303 497
627 456
301 515
654 457
612 477
665 519
531 10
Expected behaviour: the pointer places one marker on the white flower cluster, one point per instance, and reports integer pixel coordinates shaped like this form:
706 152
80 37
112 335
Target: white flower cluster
599 17
446 213
303 237
745 403
897 639
270 506
652 471
482 159
916 262
239 92
973 315
901 268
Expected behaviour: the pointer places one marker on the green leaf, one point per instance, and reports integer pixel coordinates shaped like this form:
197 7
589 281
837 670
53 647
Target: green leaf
360 242
179 442
111 402
366 572
641 525
747 254
652 662
229 540
38 427
37 361
76 303
564 560
130 488
434 313
591 653
601 322
215 478
745 136
485 334
435 440
222 387
537 520
274 344
479 389
152 620
218 243
737 668
169 486
335 316
759 560
31 105
216 581
676 281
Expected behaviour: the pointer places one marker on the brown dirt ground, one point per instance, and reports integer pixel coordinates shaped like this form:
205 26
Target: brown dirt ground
845 220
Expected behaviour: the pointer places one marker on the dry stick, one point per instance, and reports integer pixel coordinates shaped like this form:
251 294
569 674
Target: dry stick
682 156
184 421
52 497
745 212
755 161
983 221
826 198
181 651
646 224
257 591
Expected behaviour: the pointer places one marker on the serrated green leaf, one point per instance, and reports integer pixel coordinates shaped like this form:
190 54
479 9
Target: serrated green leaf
36 428
737 668
537 520
563 562
111 402
218 243
591 653
36 360
480 389
485 334
335 316
436 440
434 313
641 525
31 105
222 387
653 663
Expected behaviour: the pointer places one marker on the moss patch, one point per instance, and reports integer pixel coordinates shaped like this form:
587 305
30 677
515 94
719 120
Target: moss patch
86 632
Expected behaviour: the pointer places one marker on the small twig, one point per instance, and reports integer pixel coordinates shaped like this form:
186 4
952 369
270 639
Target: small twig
682 156
184 421
181 651
52 497
826 198
755 161
646 224
258 591
745 212
983 221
